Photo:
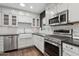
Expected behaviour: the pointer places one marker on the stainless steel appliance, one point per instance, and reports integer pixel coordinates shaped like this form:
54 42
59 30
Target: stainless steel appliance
64 17
60 18
63 32
54 41
10 42
51 48
54 21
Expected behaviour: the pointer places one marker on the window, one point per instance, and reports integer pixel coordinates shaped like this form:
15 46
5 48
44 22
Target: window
6 19
13 20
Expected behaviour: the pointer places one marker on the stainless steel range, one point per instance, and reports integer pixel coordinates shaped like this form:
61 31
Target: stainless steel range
53 42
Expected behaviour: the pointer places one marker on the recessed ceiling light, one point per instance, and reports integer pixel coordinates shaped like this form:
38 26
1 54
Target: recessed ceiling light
31 7
22 4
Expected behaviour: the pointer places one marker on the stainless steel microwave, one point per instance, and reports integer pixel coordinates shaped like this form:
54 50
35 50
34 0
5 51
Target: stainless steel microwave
63 17
60 18
54 20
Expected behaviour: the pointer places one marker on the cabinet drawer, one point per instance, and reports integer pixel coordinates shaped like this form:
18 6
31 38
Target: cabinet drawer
70 53
72 48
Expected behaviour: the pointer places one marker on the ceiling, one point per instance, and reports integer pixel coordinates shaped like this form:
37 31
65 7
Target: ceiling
36 7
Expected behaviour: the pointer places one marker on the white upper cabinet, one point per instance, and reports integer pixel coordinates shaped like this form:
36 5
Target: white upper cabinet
62 7
38 22
73 12
35 22
14 20
5 19
51 10
9 18
5 10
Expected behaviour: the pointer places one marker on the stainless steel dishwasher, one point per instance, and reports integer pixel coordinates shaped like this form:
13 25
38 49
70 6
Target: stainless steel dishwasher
10 42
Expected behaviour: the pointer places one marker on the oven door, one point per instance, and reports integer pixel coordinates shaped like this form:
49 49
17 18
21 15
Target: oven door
51 49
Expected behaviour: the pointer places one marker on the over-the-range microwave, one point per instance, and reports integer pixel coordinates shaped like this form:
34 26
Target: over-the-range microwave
54 21
60 18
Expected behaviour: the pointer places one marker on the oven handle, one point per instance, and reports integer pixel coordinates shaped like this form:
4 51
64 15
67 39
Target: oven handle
52 42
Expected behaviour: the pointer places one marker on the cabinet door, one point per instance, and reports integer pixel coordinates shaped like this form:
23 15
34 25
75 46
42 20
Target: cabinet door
39 43
62 7
14 20
73 12
5 19
34 22
6 10
38 22
24 40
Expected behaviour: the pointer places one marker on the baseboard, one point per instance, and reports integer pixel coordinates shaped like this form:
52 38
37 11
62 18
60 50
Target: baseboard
18 49
25 47
10 50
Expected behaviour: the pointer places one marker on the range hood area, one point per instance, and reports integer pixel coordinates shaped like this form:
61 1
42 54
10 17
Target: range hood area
39 29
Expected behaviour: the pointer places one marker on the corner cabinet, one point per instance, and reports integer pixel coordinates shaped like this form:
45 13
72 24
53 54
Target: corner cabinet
73 12
39 42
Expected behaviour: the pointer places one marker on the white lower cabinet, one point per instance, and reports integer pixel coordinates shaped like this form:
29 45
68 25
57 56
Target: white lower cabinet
25 40
39 42
70 50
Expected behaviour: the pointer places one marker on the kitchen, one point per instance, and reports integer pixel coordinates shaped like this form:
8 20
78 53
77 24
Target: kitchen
39 29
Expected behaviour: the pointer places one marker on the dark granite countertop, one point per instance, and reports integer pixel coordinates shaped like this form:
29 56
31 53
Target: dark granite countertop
39 34
64 39
7 34
74 42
